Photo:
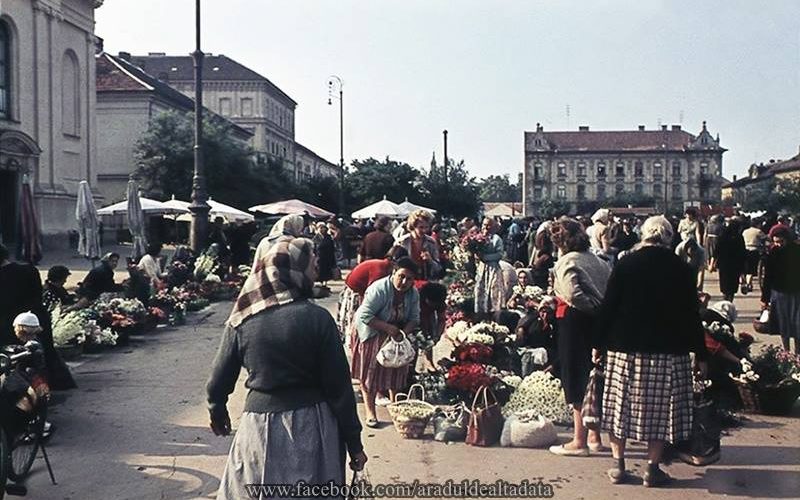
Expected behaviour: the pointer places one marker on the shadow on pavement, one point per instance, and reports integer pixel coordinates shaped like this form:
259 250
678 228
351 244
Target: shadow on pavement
751 483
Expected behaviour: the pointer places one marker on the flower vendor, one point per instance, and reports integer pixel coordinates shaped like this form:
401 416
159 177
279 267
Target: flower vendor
537 330
490 290
149 264
580 283
101 279
421 248
390 307
649 323
297 372
54 294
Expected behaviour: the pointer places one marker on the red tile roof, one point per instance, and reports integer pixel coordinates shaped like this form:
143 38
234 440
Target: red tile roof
626 140
110 77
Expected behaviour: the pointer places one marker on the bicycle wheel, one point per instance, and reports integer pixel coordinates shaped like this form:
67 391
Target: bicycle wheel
25 444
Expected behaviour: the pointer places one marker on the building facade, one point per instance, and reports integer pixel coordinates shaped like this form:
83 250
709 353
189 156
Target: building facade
760 175
584 168
128 98
241 95
308 164
47 111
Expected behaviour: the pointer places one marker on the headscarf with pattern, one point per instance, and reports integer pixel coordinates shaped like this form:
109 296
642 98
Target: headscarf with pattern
287 227
285 274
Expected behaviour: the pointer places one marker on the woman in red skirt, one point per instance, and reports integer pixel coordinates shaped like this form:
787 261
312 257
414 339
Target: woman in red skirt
390 307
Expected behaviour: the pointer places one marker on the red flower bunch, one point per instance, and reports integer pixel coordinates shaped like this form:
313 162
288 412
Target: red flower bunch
473 352
467 377
121 321
475 242
454 316
157 313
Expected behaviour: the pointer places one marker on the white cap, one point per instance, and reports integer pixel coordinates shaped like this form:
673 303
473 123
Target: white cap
26 319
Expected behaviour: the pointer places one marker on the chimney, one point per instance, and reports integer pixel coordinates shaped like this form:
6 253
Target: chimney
156 54
583 128
539 127
641 128
734 177
125 55
676 128
663 127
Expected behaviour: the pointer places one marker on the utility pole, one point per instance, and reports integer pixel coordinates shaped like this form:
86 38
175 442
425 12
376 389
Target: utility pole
336 81
199 208
444 133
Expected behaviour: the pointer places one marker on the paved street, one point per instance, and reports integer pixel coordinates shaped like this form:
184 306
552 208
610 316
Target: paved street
137 429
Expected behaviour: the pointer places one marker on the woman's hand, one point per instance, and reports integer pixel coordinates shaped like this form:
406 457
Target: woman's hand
221 424
358 460
393 331
597 356
700 367
764 306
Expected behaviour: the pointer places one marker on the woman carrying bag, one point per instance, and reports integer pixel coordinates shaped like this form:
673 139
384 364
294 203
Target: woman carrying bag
300 411
390 307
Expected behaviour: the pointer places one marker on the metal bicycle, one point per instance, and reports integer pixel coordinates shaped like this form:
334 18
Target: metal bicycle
21 432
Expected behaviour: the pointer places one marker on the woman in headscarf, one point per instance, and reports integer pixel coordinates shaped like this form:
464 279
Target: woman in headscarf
300 410
390 307
649 322
579 285
287 227
490 289
542 257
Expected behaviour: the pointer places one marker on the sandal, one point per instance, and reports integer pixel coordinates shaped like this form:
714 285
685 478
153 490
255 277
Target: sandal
372 423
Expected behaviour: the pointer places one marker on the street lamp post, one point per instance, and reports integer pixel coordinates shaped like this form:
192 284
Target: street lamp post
333 83
199 208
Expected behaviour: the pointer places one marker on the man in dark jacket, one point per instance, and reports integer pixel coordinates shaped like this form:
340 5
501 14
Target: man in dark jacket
377 243
101 279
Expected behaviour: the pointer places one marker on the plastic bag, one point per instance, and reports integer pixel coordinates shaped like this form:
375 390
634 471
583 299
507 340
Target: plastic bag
451 425
526 430
395 354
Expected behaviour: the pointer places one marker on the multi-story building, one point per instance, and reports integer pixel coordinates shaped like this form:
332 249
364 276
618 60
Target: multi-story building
760 175
308 164
47 110
585 167
127 99
241 95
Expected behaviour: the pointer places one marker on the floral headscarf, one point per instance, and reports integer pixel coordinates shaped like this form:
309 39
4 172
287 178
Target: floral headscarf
285 274
287 227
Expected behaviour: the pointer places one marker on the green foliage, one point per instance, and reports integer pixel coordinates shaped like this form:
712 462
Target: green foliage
774 195
499 188
458 197
165 156
552 208
371 180
632 199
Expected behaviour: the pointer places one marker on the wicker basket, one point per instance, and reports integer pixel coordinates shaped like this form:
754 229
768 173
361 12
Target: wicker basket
408 426
773 399
748 393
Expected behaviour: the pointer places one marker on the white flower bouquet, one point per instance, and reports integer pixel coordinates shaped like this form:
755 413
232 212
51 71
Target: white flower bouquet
212 278
541 393
100 336
458 328
420 341
69 329
748 374
483 333
528 292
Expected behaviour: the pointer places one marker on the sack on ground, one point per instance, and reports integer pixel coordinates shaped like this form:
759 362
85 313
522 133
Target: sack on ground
528 430
451 425
395 354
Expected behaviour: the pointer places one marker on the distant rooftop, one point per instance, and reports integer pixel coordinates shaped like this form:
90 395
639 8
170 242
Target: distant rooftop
215 68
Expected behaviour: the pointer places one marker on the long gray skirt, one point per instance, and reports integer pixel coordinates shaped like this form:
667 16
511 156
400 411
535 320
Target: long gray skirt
786 308
283 448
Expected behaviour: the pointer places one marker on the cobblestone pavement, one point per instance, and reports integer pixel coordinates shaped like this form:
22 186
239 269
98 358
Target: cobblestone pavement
137 428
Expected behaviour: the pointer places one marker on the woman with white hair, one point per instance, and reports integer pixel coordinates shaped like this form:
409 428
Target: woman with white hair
649 322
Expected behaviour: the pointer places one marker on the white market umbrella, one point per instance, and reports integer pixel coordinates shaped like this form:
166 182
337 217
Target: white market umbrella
383 207
135 217
88 223
218 209
501 211
291 207
410 207
148 206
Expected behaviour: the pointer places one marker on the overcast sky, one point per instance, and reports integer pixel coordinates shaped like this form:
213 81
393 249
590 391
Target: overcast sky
489 70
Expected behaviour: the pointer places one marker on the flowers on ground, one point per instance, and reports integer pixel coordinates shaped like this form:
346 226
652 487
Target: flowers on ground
542 393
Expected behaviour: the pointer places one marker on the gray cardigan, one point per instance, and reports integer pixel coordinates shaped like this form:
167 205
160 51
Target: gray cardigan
581 279
294 359
378 304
